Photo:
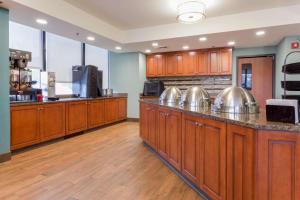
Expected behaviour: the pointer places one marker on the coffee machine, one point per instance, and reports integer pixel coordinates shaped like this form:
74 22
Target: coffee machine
21 77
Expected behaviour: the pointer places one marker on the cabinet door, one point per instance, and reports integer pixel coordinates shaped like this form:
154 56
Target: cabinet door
173 133
171 64
96 113
190 62
191 148
160 64
278 175
214 62
151 125
202 68
151 68
179 64
162 146
111 110
76 116
240 162
225 59
143 122
24 126
122 108
213 159
52 121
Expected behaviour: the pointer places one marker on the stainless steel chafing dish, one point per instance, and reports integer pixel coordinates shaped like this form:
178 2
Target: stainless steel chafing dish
236 100
170 95
195 97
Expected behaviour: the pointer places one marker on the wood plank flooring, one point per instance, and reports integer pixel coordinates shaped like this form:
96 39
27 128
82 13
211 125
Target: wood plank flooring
107 164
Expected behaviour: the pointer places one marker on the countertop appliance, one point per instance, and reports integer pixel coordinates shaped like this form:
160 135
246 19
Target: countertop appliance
170 95
20 77
153 88
282 110
236 100
87 81
195 96
48 82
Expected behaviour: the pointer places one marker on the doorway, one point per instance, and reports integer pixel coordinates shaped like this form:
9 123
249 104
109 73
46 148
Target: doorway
256 74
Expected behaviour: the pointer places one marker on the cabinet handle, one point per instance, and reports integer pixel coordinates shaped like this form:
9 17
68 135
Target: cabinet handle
199 124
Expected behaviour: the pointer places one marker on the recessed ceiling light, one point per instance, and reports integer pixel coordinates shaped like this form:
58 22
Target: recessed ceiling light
118 48
203 39
231 43
41 21
155 44
185 47
147 51
260 33
90 38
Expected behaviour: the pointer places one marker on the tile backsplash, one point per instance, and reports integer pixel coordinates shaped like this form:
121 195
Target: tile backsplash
213 84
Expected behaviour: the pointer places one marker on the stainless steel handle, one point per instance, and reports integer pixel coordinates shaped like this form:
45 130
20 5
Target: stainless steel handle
198 124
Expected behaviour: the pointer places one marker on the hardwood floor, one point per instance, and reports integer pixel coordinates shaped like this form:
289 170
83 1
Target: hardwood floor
110 163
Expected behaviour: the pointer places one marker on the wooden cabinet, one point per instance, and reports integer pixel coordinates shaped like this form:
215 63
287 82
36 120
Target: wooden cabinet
155 65
148 124
278 164
52 121
77 119
111 110
225 59
202 67
96 112
24 126
191 130
169 136
240 162
213 159
190 63
122 110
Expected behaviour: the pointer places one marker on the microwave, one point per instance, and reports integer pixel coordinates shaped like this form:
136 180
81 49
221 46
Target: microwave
153 88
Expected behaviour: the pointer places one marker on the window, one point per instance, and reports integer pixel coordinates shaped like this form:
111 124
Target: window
62 55
27 39
98 57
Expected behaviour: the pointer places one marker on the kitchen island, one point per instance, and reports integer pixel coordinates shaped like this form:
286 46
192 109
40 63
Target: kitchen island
37 122
225 156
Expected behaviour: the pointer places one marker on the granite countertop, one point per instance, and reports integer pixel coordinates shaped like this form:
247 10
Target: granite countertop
255 121
23 103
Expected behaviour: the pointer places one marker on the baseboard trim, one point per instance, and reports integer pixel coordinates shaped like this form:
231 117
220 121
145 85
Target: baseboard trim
5 157
188 182
133 119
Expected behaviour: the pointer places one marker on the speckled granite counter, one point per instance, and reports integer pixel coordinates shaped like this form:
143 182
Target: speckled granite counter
255 121
21 103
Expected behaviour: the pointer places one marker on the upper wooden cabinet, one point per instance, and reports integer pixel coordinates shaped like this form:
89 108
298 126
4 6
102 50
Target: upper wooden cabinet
156 65
190 63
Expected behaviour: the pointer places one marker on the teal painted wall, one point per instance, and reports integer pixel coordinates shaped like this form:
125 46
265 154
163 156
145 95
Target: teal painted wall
249 52
127 73
284 48
4 90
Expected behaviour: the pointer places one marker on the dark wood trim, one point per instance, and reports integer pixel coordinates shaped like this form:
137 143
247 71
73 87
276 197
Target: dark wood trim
257 56
133 119
5 157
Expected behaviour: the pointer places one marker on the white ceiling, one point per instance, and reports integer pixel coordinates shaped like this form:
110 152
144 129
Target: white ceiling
132 14
115 28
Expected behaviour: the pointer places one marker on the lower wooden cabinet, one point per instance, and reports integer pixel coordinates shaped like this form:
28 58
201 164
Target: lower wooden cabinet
96 113
77 119
52 121
111 110
191 130
278 165
169 136
240 162
122 108
148 124
213 159
24 126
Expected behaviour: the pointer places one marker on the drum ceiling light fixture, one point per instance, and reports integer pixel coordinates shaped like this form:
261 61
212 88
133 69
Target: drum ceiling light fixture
191 12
